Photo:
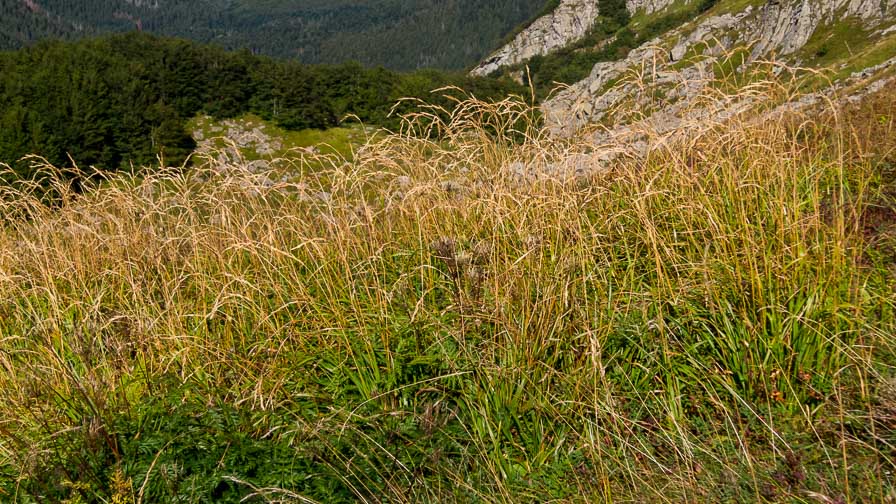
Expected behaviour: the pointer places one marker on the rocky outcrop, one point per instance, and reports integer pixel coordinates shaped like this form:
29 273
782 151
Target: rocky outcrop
786 26
569 22
779 28
647 6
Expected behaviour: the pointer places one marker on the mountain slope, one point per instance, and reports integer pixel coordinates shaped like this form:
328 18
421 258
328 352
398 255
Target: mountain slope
399 34
728 44
24 21
568 22
123 100
652 63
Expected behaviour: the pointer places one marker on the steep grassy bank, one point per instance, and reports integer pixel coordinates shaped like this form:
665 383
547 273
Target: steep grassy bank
463 318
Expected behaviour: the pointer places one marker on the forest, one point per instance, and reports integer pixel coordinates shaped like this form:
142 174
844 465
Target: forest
397 34
123 100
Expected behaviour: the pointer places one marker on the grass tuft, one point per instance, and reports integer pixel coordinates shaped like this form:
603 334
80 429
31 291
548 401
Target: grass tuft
466 310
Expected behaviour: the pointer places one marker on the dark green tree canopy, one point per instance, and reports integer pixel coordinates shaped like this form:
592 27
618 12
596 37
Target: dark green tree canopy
124 100
397 34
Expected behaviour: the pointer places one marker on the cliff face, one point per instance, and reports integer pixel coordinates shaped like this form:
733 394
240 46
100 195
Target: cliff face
786 26
683 62
847 37
569 22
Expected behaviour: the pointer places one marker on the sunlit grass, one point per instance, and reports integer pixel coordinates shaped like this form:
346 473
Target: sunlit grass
456 313
337 140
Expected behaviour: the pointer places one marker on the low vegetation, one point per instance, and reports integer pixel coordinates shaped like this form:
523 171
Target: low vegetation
253 138
456 313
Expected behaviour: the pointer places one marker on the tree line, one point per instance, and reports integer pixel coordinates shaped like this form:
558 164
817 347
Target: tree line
397 34
123 100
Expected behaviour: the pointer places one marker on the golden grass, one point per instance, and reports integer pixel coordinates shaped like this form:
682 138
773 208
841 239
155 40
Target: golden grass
695 324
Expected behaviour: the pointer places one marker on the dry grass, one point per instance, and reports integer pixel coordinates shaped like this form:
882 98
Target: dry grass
468 310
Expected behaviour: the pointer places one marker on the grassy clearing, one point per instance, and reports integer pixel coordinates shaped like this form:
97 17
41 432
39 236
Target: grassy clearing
277 142
461 317
676 9
837 43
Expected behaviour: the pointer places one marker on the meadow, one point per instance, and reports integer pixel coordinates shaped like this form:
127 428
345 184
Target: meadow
458 312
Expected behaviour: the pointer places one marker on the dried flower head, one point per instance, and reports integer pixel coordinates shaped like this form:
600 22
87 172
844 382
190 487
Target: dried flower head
444 248
482 252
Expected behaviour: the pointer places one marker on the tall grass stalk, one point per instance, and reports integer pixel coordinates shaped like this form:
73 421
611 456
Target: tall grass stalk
466 310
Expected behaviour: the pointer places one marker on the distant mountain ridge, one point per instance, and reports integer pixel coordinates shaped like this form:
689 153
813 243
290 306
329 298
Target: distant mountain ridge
397 34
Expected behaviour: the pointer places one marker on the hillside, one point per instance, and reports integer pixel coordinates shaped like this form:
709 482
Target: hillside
471 311
673 47
669 279
121 101
397 34
838 47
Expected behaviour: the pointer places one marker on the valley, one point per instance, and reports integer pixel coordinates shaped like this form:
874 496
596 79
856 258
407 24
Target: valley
400 35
